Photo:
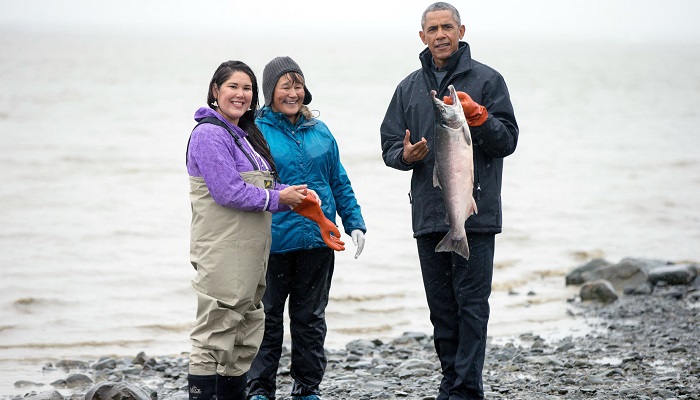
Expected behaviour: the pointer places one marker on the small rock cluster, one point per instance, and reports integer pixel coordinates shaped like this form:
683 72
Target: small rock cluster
641 346
603 281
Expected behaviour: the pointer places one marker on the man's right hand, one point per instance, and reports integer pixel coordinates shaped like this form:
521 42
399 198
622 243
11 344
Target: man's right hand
293 195
414 152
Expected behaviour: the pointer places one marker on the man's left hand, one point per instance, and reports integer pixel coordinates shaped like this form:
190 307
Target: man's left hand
475 113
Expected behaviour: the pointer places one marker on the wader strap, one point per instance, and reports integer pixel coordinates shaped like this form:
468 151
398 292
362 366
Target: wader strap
214 121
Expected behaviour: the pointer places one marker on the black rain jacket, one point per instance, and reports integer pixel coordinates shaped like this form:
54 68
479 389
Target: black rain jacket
411 108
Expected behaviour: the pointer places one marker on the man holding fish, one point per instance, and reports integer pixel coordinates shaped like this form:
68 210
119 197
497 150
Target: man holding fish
455 148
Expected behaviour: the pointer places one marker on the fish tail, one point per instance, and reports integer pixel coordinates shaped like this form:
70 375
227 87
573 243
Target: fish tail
459 246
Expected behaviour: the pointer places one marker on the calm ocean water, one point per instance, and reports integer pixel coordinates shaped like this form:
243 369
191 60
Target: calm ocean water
96 214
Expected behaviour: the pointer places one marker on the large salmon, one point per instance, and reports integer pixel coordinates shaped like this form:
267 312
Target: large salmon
454 171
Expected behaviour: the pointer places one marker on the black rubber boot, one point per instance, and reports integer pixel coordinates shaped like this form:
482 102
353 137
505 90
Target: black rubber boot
202 387
231 387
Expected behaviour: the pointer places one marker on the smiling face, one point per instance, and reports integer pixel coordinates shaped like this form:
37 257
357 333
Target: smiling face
288 95
441 33
234 96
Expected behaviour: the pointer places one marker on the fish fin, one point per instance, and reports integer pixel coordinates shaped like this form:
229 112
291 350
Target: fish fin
447 219
467 134
460 246
436 180
471 208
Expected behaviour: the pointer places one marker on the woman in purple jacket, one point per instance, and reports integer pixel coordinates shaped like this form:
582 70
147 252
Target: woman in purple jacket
233 192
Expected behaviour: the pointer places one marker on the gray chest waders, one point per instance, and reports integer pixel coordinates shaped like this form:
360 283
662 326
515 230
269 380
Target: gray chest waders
229 249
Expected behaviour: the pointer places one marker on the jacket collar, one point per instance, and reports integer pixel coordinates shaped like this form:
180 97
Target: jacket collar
204 112
459 61
268 115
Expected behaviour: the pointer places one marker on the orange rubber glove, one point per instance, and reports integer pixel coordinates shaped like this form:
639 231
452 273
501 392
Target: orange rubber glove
475 113
310 209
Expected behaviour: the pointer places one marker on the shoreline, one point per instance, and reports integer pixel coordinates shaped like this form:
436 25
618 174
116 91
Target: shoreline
639 347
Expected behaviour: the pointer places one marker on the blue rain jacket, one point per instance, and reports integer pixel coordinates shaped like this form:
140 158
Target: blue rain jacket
307 153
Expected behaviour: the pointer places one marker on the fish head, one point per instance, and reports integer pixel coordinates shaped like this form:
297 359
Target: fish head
449 115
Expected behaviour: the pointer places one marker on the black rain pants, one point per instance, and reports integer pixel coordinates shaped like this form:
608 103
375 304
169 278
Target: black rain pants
458 291
303 277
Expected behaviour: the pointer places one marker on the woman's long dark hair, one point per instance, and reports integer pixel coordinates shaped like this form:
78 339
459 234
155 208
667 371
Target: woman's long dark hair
247 120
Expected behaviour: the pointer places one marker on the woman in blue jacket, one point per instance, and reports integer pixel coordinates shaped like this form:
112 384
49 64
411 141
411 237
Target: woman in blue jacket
301 265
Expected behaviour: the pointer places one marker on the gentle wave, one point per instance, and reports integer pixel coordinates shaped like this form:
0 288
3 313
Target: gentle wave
81 344
368 297
381 310
7 327
176 328
365 330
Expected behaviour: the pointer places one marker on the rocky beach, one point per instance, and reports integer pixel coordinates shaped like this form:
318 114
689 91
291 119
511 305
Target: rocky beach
642 344
96 236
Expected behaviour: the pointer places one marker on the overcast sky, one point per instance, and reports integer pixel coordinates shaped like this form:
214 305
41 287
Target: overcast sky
615 20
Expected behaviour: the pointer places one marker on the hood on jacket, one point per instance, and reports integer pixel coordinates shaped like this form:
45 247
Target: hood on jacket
204 112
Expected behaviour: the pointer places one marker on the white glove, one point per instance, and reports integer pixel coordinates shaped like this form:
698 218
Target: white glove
358 239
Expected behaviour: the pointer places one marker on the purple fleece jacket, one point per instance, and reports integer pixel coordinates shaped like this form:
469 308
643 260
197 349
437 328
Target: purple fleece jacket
213 155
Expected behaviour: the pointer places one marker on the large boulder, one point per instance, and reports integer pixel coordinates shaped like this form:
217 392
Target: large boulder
628 273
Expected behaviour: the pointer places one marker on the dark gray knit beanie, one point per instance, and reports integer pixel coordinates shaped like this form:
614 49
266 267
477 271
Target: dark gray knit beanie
272 73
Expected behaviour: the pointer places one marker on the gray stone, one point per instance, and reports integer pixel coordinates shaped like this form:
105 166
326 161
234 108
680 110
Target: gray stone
544 360
588 390
644 289
376 385
78 380
71 364
107 363
673 275
564 347
21 384
415 364
627 272
48 395
116 391
362 365
600 290
61 383
360 346
577 276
